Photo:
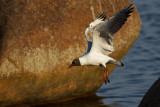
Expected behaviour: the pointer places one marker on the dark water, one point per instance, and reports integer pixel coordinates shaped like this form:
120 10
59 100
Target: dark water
129 85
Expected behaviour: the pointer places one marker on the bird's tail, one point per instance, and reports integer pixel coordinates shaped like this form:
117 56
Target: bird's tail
119 63
115 62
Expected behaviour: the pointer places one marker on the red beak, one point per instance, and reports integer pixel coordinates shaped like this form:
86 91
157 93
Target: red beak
70 66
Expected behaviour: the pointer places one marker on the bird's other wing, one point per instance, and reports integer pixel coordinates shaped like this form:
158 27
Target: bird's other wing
90 28
88 34
103 33
97 21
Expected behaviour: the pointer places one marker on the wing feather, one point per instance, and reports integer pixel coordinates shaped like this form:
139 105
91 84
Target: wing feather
103 33
102 16
89 29
116 21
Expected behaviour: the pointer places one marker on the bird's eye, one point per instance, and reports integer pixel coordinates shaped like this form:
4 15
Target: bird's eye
73 62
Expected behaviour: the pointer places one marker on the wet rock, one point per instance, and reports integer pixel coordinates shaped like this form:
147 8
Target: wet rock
40 38
152 97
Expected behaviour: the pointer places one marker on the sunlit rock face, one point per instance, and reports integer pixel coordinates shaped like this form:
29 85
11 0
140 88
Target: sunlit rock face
40 38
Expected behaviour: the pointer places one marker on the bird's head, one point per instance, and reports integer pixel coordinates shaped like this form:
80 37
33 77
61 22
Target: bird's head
75 62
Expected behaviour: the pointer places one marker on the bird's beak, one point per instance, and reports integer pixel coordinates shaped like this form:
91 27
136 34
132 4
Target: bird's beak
70 66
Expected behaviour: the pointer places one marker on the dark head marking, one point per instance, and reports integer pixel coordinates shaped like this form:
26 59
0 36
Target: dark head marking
75 62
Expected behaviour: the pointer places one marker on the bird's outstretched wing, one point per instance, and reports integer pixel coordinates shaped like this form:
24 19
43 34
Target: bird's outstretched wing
91 27
103 33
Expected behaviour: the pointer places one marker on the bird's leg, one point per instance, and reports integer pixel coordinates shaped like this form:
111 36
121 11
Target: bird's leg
106 77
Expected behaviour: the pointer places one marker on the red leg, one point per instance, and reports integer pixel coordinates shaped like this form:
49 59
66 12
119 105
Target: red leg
106 77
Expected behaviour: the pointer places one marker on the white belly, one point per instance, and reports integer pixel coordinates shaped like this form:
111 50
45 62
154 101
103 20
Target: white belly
94 59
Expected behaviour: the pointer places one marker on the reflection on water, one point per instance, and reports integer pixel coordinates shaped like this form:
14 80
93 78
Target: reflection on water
87 101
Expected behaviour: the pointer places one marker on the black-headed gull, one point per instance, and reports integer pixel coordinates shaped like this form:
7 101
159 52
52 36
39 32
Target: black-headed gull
99 35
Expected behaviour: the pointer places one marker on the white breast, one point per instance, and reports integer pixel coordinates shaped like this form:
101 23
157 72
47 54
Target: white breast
94 59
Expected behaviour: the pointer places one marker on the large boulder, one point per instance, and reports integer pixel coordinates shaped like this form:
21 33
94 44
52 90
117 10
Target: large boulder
40 38
152 96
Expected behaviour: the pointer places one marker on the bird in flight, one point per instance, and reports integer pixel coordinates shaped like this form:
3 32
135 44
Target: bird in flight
99 35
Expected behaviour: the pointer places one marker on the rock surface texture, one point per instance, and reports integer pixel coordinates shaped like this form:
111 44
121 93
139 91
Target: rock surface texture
40 38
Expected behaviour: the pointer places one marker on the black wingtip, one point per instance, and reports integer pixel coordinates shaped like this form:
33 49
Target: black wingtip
130 5
102 16
128 8
126 11
122 64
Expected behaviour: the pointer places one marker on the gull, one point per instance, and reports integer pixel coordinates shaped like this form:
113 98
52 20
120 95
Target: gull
99 35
